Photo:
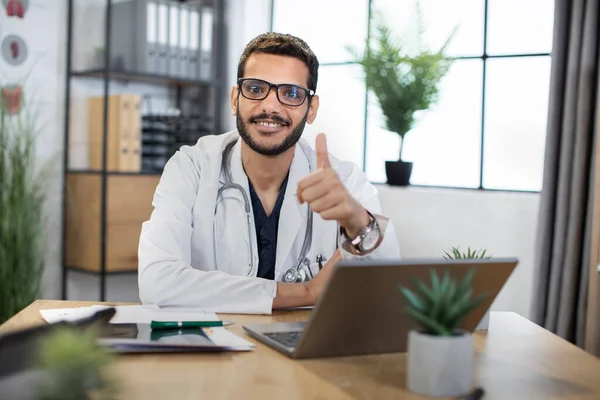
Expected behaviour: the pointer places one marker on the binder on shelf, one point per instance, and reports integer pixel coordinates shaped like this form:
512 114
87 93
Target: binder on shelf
206 43
193 50
174 39
162 65
184 42
135 144
134 36
120 134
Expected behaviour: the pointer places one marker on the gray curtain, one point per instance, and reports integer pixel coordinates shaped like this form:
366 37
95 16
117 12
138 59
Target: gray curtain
564 228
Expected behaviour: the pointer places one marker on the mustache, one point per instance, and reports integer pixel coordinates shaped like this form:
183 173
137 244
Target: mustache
273 117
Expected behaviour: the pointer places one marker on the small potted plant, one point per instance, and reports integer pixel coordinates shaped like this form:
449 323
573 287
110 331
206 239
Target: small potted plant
403 81
454 253
440 355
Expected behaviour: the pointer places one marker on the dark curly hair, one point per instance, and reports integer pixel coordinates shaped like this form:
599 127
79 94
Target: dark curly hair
285 45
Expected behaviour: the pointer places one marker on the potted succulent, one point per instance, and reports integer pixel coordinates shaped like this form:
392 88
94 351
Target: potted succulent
403 84
440 355
454 253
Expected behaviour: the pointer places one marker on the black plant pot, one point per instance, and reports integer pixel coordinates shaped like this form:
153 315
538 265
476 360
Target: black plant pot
398 172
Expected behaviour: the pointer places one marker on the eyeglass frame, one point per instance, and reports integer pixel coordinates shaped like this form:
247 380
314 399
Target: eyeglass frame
309 92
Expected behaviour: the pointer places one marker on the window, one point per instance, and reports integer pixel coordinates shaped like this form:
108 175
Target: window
487 129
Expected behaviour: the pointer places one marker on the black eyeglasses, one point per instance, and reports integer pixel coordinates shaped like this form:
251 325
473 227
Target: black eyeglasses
290 95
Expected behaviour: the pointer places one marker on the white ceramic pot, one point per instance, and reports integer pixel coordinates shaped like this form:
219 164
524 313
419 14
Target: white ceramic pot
439 366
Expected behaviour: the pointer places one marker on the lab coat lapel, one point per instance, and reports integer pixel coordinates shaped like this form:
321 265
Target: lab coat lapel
293 215
239 176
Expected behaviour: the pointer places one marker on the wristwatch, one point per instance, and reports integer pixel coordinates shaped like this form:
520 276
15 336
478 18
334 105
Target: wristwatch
367 240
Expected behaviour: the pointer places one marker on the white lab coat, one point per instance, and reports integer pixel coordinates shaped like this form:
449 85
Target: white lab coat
176 248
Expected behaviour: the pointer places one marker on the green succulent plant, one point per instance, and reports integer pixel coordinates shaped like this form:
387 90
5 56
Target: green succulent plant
440 308
455 254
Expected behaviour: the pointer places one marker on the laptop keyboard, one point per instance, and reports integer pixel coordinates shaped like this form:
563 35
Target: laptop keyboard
288 339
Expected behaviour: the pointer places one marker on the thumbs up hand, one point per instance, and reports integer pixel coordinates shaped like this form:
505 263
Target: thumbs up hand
326 194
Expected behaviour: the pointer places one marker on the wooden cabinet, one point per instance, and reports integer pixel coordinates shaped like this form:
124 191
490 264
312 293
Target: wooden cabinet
128 205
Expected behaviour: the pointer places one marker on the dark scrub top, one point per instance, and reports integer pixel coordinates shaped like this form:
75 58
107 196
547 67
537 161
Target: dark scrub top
266 231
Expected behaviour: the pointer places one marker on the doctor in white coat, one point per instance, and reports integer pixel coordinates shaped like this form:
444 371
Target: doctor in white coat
255 219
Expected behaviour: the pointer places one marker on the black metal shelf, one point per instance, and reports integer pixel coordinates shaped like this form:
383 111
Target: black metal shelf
195 93
96 273
142 77
100 172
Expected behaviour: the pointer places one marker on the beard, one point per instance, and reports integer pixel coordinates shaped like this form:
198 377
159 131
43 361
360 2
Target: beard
276 149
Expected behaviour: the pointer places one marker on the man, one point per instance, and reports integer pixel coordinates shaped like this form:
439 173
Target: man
237 223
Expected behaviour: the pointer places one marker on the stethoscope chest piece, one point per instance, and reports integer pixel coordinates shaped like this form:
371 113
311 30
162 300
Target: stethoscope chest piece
294 275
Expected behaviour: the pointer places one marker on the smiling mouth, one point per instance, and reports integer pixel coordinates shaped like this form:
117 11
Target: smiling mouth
269 124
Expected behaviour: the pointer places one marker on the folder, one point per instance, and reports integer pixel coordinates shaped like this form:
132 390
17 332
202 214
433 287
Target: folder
193 50
162 65
206 44
135 140
150 59
120 133
174 39
184 43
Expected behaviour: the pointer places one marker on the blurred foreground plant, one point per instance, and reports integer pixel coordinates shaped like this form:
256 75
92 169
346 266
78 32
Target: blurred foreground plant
75 367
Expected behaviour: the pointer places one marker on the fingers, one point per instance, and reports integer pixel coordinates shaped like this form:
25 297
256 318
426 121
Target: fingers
313 192
314 179
325 202
321 149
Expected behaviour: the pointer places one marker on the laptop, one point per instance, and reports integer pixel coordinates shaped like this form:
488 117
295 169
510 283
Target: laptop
361 310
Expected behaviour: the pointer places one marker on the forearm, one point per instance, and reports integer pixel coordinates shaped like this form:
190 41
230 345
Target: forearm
292 295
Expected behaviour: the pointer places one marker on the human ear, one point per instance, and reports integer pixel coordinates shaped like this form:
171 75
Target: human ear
312 110
234 100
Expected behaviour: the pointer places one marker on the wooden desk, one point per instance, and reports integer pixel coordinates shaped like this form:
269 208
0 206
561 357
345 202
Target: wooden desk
516 359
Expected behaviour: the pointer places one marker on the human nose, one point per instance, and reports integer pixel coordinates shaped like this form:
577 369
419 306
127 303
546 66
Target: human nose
271 102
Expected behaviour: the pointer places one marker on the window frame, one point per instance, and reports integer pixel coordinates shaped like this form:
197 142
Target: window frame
483 57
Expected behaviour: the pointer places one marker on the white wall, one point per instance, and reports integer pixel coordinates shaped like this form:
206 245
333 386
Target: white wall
245 19
429 220
43 77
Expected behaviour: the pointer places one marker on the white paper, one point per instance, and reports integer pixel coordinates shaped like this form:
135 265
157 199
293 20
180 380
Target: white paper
138 314
223 337
65 314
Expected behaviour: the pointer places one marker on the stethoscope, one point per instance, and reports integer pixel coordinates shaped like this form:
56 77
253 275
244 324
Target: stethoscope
292 275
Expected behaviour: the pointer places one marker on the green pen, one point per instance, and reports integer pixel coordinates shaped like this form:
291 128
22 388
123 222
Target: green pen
187 324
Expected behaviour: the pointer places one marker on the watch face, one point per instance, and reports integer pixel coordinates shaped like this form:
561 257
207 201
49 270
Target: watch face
370 240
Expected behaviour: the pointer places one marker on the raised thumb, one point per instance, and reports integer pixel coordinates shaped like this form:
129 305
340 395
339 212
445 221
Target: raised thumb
321 149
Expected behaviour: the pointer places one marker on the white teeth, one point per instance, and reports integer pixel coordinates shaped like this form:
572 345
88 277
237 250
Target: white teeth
268 124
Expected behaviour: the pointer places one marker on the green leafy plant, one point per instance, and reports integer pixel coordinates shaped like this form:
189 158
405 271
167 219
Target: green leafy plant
402 82
22 220
441 307
75 367
455 254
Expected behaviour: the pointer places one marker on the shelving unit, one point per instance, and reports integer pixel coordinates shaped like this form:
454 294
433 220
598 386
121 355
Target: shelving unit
103 208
